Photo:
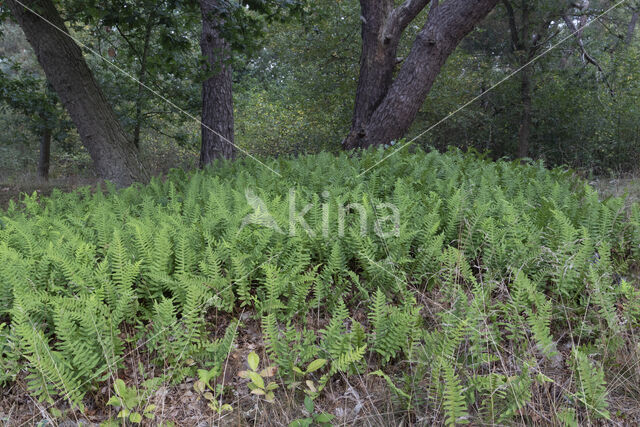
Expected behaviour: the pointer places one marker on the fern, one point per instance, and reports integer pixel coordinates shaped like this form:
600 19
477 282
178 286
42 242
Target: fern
591 388
490 256
454 404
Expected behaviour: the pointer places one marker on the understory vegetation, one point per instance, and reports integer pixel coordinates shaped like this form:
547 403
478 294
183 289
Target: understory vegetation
507 294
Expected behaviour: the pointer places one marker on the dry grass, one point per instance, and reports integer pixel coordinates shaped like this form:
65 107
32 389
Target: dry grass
628 185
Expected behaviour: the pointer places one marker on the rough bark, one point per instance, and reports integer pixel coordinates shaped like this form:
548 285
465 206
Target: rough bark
217 90
385 107
381 31
114 156
45 153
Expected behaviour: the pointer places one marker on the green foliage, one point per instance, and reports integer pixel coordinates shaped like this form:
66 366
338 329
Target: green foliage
322 419
9 357
392 327
591 388
454 405
130 399
257 383
313 388
497 268
213 394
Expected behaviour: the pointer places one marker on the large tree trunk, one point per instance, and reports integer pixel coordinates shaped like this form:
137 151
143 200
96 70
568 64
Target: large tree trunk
45 153
385 108
114 156
377 62
217 92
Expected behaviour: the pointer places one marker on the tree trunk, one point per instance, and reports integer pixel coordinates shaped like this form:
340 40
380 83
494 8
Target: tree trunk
217 91
45 153
385 108
632 27
114 156
524 132
377 63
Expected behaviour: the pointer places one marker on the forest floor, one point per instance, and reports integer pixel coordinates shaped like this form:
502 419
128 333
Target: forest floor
628 184
360 400
11 189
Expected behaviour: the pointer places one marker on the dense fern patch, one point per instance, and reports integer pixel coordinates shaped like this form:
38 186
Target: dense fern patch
505 294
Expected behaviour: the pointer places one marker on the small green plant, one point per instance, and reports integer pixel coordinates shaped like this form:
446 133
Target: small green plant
313 388
591 385
322 418
130 400
257 384
212 393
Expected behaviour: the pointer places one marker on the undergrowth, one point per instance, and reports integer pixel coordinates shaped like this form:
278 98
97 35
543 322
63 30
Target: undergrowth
506 295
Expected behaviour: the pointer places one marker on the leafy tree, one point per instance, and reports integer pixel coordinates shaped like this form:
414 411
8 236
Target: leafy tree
114 155
152 41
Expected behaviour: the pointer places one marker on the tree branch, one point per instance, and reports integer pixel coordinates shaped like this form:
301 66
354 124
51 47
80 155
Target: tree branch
407 12
513 29
126 39
585 55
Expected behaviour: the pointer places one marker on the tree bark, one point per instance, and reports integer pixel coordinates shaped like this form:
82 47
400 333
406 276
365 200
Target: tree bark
385 108
114 156
45 153
526 41
217 90
377 63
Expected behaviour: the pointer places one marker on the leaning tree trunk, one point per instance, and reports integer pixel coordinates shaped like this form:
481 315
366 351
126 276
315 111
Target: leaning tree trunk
45 153
386 107
114 156
217 92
